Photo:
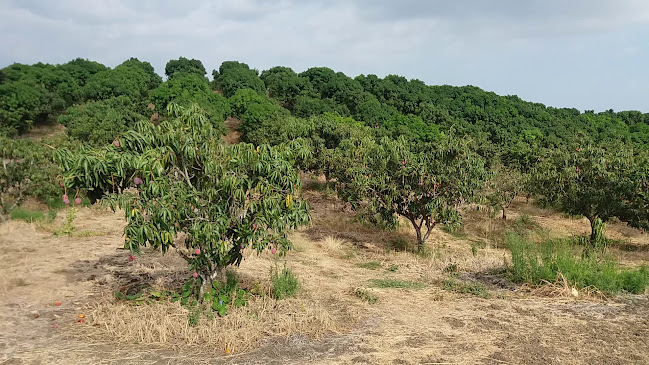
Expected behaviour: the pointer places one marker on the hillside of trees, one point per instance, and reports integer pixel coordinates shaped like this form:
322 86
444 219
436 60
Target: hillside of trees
395 148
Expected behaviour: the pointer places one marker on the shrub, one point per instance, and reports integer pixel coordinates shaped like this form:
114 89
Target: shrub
545 262
285 284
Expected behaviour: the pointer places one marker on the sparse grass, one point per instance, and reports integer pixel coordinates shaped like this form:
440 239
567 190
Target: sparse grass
370 265
546 262
476 246
393 268
477 289
365 295
16 282
454 230
285 284
400 243
525 223
451 268
27 215
402 284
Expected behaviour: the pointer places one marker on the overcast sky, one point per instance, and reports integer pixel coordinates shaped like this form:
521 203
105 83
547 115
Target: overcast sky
588 54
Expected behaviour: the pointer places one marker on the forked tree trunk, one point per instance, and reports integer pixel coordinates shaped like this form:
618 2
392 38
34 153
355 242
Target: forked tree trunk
422 237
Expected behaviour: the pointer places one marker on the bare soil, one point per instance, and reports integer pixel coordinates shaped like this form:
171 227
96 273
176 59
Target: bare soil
327 323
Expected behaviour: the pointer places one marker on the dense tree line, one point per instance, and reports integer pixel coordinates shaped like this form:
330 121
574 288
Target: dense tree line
393 146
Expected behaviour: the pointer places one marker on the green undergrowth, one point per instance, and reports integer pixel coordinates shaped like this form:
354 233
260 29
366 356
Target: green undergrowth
547 261
285 283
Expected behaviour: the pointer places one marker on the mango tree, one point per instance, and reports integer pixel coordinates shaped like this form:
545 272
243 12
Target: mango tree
425 184
179 177
26 170
596 182
505 184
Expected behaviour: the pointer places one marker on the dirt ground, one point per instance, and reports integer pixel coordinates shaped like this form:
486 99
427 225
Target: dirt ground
327 323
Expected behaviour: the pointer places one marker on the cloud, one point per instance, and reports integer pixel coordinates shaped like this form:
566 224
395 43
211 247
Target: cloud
542 50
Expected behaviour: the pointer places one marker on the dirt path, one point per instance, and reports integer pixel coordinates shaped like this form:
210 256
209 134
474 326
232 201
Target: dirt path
405 326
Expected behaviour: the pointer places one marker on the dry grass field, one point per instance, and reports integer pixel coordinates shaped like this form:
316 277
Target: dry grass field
450 306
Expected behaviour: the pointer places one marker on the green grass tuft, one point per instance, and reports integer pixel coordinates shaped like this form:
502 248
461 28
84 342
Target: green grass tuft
476 289
27 215
285 284
370 265
403 284
545 262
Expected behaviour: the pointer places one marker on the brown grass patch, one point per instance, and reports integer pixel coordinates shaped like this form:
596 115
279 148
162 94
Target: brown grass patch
242 329
234 135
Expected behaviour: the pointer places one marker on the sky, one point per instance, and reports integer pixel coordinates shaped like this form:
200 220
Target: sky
586 54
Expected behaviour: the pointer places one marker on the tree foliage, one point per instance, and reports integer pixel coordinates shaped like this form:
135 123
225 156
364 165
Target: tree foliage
27 171
132 79
100 122
224 198
596 182
185 89
184 66
233 75
426 186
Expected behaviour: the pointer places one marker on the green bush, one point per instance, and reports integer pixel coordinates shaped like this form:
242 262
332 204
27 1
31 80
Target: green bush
285 284
545 262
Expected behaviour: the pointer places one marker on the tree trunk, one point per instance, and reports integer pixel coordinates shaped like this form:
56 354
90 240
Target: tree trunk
218 274
504 214
420 240
597 230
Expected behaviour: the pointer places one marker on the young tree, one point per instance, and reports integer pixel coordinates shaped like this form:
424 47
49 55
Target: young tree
224 198
505 185
26 170
425 185
596 182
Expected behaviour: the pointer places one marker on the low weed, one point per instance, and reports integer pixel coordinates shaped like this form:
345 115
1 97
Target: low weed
365 295
476 289
525 223
218 299
285 284
402 284
538 263
67 227
398 244
370 265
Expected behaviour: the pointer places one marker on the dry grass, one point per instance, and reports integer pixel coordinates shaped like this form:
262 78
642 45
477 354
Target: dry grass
328 321
242 329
